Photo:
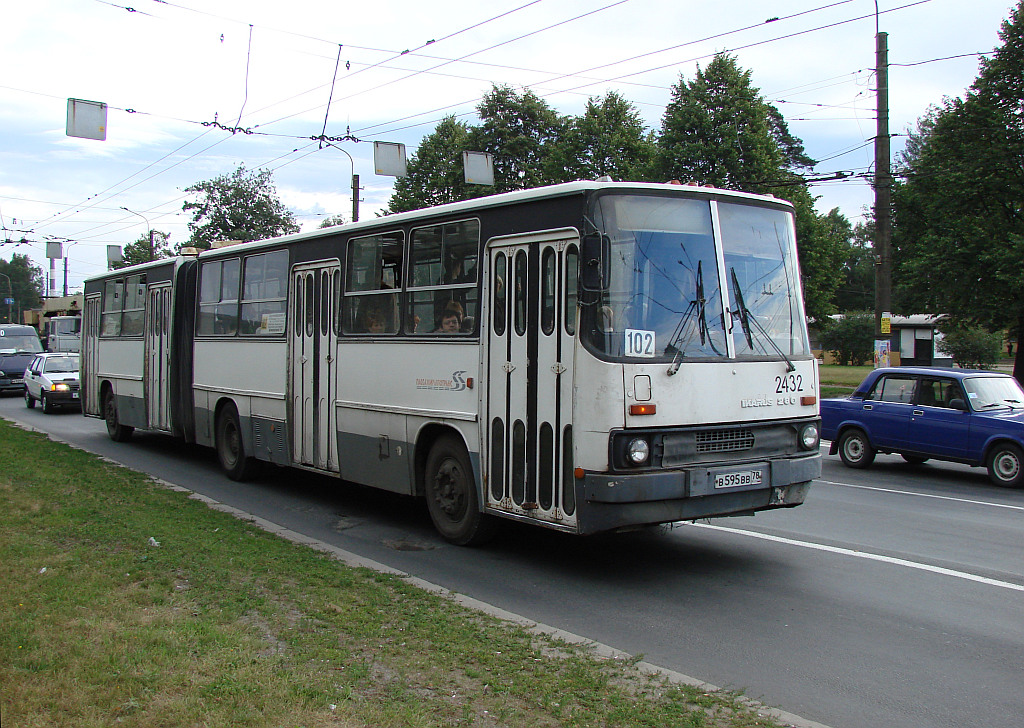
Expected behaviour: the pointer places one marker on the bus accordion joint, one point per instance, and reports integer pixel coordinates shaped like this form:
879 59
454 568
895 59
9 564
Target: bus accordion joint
643 409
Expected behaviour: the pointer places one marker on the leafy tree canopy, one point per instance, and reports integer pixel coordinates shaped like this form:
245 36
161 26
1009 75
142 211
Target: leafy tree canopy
958 233
610 139
719 130
139 251
25 287
242 205
434 173
517 130
332 220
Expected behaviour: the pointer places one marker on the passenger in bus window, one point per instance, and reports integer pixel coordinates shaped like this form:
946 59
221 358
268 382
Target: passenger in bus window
451 319
371 319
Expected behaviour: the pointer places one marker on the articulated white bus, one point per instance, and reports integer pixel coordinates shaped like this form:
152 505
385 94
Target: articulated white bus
589 357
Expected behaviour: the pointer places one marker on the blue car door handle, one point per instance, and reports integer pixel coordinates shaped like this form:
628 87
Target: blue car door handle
868 406
918 413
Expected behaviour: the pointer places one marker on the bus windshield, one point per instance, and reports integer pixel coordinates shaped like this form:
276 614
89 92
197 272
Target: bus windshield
672 293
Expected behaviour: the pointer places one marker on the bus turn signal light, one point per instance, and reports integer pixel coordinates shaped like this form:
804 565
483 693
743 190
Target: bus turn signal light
642 409
809 399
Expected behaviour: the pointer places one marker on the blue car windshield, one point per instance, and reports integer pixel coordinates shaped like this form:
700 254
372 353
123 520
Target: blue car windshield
993 392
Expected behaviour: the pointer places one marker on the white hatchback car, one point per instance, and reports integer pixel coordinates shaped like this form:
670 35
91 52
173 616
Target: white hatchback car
52 378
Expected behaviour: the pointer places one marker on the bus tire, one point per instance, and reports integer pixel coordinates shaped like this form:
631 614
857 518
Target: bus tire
451 495
116 431
236 464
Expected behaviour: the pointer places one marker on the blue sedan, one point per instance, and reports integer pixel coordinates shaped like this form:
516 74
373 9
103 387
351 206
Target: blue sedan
959 415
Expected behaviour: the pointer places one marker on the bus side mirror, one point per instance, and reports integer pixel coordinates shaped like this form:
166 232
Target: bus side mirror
594 261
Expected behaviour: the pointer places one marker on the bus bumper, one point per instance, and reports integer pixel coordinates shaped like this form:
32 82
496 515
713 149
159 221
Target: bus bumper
610 502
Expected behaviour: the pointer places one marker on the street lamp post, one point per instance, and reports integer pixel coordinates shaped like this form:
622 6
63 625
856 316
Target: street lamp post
355 182
148 226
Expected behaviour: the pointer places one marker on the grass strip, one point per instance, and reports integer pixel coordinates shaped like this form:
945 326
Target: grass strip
126 603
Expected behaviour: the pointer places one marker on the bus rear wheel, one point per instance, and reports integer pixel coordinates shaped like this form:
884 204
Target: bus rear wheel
451 495
116 431
236 464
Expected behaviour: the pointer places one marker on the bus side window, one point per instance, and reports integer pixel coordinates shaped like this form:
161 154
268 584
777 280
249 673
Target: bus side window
134 319
218 298
443 273
113 302
373 281
264 286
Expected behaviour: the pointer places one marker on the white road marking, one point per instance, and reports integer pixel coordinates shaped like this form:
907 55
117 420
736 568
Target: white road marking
922 495
867 555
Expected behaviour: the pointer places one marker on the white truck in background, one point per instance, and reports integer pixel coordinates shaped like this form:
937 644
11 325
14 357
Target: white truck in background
63 333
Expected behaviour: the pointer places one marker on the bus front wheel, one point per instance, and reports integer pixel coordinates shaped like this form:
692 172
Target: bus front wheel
451 495
236 464
116 431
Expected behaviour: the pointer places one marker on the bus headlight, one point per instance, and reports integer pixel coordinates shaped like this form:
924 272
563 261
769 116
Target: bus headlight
809 436
638 451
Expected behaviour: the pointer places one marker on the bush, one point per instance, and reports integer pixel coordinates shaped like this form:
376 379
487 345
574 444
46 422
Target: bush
851 339
971 346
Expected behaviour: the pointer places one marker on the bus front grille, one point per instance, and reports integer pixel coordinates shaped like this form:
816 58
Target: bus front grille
708 441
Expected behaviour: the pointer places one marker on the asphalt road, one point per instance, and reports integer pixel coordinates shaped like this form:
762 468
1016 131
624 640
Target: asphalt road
894 597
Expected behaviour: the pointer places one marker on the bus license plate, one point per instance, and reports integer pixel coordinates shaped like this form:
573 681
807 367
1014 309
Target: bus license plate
738 479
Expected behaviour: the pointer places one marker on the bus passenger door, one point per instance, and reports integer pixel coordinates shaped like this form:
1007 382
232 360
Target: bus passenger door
530 356
90 357
158 342
313 352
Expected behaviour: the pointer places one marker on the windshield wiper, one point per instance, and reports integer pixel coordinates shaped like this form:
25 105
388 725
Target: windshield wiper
698 305
747 319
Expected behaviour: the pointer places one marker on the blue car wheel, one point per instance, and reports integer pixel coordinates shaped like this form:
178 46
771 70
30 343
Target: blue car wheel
855 449
1006 465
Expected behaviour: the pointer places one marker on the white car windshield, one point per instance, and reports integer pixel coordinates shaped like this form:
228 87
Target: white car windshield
61 364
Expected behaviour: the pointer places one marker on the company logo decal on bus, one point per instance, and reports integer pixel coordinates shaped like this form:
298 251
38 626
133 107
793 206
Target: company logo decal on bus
456 383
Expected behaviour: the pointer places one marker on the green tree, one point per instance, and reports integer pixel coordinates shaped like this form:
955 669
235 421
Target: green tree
958 225
25 286
519 131
139 251
851 338
434 173
242 205
718 130
609 139
332 220
857 290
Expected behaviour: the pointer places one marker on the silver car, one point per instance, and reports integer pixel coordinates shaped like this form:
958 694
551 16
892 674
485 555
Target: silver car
52 379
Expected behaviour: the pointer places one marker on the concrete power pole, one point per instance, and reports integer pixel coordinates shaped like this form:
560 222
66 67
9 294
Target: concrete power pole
883 190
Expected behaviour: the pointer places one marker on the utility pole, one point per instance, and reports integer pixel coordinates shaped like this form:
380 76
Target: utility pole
883 192
355 196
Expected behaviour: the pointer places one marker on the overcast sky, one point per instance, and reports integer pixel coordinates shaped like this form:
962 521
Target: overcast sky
169 69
